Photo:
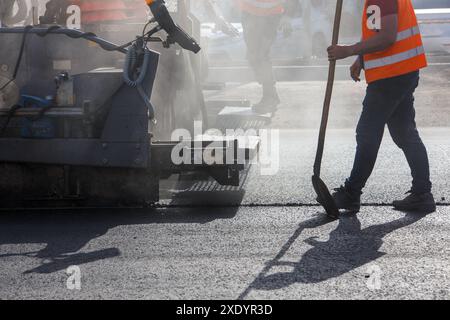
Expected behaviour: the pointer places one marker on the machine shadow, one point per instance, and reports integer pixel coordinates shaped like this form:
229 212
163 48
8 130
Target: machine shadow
66 232
348 248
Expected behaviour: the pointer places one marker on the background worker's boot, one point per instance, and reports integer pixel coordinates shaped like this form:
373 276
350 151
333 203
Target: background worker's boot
346 199
269 101
420 203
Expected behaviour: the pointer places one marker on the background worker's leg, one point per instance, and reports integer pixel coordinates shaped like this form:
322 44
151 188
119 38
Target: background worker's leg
260 33
252 35
270 31
403 129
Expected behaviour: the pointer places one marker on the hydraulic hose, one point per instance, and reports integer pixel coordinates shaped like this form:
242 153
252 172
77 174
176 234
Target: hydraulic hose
105 45
130 62
72 33
130 68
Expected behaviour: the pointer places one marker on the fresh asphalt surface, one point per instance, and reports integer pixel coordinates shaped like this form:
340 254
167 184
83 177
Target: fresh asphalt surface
265 239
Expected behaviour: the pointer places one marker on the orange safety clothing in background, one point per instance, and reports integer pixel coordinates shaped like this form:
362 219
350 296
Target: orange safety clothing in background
261 7
94 11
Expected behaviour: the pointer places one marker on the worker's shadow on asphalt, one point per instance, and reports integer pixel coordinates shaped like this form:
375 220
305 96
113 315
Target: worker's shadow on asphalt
66 233
348 248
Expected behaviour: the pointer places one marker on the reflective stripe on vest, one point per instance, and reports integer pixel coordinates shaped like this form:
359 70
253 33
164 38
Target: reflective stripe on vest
408 33
372 64
406 55
399 57
262 7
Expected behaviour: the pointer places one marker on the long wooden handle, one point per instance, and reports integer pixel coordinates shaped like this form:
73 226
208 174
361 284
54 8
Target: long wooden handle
329 92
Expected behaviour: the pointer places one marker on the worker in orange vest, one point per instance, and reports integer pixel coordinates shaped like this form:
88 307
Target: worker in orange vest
96 11
261 20
391 53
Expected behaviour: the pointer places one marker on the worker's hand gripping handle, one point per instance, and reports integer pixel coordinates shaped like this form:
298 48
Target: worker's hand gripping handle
176 34
329 92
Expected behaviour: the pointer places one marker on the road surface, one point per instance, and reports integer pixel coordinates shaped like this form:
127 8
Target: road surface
266 239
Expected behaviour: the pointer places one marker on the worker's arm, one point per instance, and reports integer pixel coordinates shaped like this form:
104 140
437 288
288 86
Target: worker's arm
385 38
213 13
55 12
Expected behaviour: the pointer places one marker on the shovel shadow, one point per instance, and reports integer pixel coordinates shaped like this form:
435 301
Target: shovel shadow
349 247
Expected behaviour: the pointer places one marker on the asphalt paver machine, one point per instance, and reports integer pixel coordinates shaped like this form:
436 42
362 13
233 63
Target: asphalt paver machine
84 139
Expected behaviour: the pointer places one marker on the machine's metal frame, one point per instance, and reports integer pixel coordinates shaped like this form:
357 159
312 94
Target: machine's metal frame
124 141
123 149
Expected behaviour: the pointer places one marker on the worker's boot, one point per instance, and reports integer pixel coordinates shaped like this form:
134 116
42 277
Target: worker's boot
269 101
347 199
420 203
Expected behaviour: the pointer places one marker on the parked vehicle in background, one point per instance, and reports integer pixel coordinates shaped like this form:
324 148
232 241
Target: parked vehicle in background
223 49
312 32
434 20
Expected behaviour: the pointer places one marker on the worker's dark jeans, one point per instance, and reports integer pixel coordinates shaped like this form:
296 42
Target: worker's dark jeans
260 33
391 102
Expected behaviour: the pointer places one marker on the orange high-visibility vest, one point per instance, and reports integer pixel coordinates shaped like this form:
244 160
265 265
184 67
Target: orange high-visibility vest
261 7
405 56
95 11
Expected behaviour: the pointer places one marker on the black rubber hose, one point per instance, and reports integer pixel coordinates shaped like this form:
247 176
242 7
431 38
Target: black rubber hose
72 33
130 63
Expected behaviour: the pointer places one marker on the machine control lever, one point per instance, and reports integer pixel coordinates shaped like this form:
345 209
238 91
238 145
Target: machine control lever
176 34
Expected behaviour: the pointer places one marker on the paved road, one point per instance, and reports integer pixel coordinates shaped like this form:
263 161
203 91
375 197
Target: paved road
265 239
226 253
291 184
